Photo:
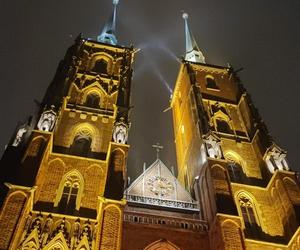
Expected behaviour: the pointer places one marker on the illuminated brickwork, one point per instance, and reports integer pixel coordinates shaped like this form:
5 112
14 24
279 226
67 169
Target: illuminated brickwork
72 156
252 201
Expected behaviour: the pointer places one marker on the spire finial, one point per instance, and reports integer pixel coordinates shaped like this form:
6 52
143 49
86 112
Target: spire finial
108 33
158 147
192 51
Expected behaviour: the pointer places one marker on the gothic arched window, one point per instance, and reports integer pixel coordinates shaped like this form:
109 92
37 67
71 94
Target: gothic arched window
81 145
211 83
67 203
100 66
235 172
223 126
248 214
93 100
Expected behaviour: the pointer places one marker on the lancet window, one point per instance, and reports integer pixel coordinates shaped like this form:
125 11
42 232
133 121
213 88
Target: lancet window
69 195
248 213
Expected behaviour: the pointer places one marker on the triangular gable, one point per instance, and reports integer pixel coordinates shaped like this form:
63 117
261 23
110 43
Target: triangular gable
83 244
32 241
211 136
57 242
158 182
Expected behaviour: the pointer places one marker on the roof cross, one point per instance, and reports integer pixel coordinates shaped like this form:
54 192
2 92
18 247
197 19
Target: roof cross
158 148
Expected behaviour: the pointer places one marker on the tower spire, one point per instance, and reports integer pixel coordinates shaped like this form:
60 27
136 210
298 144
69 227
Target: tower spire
192 53
108 33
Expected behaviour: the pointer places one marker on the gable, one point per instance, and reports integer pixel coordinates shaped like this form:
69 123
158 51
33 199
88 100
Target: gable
159 183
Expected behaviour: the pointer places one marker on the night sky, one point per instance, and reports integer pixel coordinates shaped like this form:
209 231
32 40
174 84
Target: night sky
261 36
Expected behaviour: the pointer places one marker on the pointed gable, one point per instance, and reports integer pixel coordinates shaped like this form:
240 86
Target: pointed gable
58 242
158 186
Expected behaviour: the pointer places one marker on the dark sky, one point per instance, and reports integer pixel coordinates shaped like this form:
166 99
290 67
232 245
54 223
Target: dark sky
261 36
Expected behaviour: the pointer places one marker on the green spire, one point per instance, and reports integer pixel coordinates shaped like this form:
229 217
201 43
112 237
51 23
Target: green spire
192 51
108 33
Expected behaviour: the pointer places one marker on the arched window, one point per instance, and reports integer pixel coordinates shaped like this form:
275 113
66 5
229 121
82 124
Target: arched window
211 83
93 100
81 145
67 203
248 214
100 66
235 172
223 126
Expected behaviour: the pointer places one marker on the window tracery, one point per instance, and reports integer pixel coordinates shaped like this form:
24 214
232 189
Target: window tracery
248 213
70 192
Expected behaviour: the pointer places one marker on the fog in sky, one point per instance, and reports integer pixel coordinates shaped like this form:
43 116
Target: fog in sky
261 36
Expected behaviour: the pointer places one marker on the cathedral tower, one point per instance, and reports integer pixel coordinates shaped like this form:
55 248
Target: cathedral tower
67 168
226 157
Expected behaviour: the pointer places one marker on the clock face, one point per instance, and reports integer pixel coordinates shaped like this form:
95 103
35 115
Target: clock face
160 186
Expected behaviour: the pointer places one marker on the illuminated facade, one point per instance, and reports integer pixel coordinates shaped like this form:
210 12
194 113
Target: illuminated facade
65 169
227 159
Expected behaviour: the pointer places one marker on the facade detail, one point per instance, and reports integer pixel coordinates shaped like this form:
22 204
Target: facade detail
47 120
64 183
67 167
244 187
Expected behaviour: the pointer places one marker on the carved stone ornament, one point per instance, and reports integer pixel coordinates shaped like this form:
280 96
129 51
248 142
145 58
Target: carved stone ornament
47 121
213 147
19 136
276 159
120 134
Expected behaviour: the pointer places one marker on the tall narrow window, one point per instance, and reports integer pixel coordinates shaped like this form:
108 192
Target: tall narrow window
67 203
100 66
93 100
248 214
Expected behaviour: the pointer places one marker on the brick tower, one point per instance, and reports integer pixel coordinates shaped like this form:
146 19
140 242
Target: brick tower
227 159
67 168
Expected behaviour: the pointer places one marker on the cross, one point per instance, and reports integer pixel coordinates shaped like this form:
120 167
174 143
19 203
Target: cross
158 147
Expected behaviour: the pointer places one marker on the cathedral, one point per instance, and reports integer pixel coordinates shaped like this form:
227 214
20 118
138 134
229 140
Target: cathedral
64 181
